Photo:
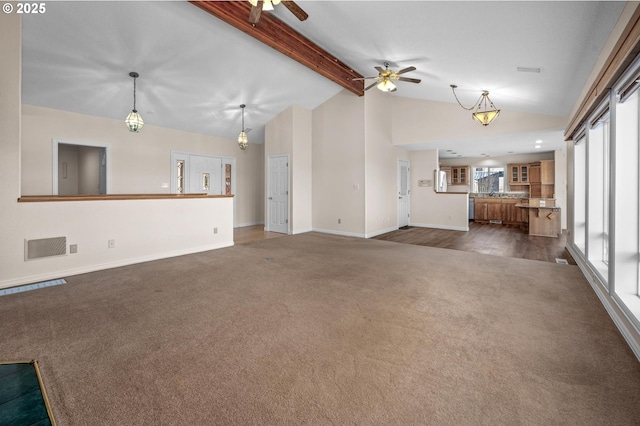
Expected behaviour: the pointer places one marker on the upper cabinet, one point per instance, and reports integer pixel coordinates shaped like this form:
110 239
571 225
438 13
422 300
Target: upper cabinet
460 175
518 173
542 172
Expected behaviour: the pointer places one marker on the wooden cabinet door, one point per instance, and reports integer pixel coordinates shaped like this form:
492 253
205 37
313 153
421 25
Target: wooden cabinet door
524 173
495 210
480 210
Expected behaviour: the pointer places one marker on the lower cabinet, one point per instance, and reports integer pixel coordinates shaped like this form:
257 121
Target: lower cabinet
500 209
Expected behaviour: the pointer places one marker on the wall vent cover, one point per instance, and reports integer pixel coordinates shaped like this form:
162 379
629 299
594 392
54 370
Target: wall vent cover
45 247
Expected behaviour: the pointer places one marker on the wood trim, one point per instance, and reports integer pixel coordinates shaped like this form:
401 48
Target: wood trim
278 35
622 54
111 197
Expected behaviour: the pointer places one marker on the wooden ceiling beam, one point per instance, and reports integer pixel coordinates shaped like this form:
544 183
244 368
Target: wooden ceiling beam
278 35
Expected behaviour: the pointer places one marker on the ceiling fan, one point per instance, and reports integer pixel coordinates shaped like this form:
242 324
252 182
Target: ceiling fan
257 6
386 77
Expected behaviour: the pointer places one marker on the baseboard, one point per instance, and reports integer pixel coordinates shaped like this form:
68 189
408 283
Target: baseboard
450 228
102 266
301 231
380 232
609 304
342 233
242 225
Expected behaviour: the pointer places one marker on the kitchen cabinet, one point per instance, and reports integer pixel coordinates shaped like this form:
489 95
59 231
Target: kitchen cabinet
542 179
459 175
518 173
503 210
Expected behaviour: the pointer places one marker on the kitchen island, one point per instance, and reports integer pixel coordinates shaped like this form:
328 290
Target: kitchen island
544 217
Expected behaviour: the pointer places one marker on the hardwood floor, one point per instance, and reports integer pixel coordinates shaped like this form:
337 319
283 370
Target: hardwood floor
497 240
248 234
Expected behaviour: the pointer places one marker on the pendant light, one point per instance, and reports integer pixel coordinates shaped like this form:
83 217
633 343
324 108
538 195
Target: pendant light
485 111
134 120
243 141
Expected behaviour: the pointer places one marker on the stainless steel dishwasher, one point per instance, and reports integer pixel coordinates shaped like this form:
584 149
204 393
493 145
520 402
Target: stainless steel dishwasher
472 208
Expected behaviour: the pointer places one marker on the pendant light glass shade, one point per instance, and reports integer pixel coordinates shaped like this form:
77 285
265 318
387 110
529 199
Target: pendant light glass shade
134 120
266 4
243 140
485 117
386 85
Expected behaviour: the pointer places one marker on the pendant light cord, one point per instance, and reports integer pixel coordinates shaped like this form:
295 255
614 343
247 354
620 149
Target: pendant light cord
134 94
453 89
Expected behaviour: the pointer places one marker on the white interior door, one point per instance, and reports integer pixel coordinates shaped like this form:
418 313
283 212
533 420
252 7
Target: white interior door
404 193
205 174
278 194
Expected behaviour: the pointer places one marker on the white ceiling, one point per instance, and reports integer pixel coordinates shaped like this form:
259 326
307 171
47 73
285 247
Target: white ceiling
195 70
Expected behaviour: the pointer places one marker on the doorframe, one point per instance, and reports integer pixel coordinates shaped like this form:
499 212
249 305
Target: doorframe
54 161
184 155
266 200
408 163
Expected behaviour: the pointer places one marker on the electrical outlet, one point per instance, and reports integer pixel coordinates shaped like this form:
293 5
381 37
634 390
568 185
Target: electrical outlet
215 230
73 248
112 243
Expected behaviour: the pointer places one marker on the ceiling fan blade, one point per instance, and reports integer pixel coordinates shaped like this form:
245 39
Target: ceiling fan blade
379 69
402 71
256 11
370 86
410 80
363 78
295 9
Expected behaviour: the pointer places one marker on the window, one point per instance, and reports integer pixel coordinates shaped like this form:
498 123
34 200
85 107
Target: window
579 194
598 192
488 179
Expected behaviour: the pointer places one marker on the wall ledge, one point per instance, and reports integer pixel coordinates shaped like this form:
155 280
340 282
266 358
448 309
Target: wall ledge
103 197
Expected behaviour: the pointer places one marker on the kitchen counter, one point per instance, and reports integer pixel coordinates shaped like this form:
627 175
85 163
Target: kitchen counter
544 220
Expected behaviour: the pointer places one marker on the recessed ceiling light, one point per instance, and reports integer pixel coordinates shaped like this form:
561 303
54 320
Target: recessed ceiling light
539 141
538 147
510 152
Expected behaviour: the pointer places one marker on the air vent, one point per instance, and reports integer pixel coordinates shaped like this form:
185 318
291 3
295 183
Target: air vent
529 69
45 247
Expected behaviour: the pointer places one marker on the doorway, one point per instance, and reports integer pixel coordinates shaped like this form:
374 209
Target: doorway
278 194
404 193
80 168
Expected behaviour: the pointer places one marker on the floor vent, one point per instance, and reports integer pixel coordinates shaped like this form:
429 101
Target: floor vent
495 222
20 289
45 247
562 261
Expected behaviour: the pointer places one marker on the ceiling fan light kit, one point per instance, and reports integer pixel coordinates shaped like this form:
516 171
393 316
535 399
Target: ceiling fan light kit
243 140
134 120
484 109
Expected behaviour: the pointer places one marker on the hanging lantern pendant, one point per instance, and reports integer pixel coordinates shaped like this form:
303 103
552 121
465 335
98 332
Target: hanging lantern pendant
134 120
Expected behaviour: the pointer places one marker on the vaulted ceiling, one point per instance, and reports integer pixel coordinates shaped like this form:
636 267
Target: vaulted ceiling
195 70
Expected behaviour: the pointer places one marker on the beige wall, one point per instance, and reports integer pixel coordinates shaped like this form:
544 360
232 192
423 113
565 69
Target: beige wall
290 133
417 121
339 165
139 162
302 186
431 209
381 168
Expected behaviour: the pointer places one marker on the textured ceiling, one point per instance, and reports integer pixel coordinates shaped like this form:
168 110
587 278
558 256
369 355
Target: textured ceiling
195 70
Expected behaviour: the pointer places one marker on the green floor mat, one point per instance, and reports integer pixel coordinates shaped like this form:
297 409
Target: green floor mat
23 400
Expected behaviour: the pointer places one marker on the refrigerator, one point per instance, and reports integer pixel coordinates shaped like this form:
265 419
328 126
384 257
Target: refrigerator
441 181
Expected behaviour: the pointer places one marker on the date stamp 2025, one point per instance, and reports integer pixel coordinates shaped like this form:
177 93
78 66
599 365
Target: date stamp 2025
24 8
